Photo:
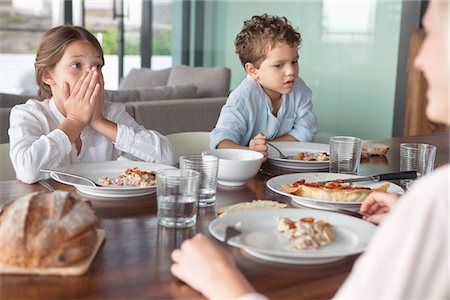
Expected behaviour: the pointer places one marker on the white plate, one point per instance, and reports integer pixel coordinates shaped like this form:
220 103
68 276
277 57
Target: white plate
260 236
275 184
95 170
293 261
292 148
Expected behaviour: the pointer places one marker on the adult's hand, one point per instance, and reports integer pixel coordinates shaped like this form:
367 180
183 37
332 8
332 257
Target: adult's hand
209 269
377 205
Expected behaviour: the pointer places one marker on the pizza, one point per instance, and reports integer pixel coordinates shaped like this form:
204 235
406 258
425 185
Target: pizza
311 156
332 190
306 233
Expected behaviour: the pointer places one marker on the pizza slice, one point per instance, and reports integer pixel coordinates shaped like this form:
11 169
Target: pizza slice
332 191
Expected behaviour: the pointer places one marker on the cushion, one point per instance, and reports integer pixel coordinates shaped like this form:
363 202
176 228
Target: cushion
122 95
10 100
168 92
144 77
155 93
211 82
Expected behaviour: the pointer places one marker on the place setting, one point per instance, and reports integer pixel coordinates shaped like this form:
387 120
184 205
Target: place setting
299 155
110 179
265 234
341 189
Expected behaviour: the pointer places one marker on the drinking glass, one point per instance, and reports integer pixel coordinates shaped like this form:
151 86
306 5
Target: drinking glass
418 157
207 166
177 196
345 154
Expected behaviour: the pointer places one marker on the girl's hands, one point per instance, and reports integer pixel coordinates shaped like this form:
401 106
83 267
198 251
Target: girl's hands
258 143
81 101
377 205
97 115
209 269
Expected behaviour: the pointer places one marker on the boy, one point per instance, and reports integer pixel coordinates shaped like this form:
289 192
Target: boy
272 102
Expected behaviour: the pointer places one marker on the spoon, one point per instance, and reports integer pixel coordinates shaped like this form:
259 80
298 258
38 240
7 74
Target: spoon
71 175
279 151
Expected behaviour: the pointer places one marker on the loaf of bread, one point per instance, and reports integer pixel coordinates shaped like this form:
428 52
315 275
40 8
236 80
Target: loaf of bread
47 230
243 206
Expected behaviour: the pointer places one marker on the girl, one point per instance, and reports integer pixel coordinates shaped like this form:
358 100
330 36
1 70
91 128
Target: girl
73 123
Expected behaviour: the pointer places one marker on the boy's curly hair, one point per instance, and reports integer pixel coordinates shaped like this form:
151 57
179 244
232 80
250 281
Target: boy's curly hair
260 34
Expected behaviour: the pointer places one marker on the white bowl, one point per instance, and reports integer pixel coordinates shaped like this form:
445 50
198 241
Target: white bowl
236 165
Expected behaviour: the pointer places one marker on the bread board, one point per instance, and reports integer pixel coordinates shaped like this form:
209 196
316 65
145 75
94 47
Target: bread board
74 270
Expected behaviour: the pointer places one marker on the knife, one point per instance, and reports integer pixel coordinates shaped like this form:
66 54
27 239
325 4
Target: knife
379 177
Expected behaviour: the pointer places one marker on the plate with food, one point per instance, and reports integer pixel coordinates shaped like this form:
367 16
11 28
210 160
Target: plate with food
292 235
318 188
116 179
301 156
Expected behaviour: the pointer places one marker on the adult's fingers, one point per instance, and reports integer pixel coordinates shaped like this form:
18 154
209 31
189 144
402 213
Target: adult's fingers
376 219
384 199
175 255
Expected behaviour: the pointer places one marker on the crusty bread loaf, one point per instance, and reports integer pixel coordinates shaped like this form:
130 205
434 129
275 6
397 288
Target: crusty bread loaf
255 204
47 230
369 149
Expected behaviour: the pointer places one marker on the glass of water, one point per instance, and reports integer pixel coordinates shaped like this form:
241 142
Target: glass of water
177 193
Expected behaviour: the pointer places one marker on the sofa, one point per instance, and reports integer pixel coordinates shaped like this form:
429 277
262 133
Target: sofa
177 99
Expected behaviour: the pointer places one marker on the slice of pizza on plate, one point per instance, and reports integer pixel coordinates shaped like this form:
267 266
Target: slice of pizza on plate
332 191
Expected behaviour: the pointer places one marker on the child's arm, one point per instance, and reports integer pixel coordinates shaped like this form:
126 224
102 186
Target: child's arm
258 143
286 138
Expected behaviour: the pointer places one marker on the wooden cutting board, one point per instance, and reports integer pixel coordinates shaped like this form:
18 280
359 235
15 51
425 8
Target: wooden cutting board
74 270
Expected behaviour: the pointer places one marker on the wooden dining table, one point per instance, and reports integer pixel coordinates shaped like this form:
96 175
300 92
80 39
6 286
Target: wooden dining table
134 261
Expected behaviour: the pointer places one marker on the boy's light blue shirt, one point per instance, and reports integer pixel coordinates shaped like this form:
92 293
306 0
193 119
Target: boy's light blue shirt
248 111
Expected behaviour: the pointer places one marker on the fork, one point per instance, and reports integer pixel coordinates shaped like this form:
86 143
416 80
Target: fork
231 232
46 185
282 155
91 182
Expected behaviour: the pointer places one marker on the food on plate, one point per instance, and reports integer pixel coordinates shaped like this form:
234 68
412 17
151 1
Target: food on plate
131 177
369 149
306 233
332 190
47 230
311 156
243 206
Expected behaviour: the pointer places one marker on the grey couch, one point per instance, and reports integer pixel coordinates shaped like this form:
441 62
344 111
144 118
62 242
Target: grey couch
177 99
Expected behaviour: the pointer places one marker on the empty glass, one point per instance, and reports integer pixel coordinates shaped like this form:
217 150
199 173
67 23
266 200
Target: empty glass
418 157
345 154
207 166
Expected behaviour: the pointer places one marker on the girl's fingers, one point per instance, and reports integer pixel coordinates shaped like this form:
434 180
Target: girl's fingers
80 81
87 87
91 87
95 94
66 90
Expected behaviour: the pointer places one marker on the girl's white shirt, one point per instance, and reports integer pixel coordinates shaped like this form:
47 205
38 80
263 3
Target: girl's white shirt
37 143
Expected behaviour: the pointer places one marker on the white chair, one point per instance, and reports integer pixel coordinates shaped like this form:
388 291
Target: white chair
6 169
184 143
